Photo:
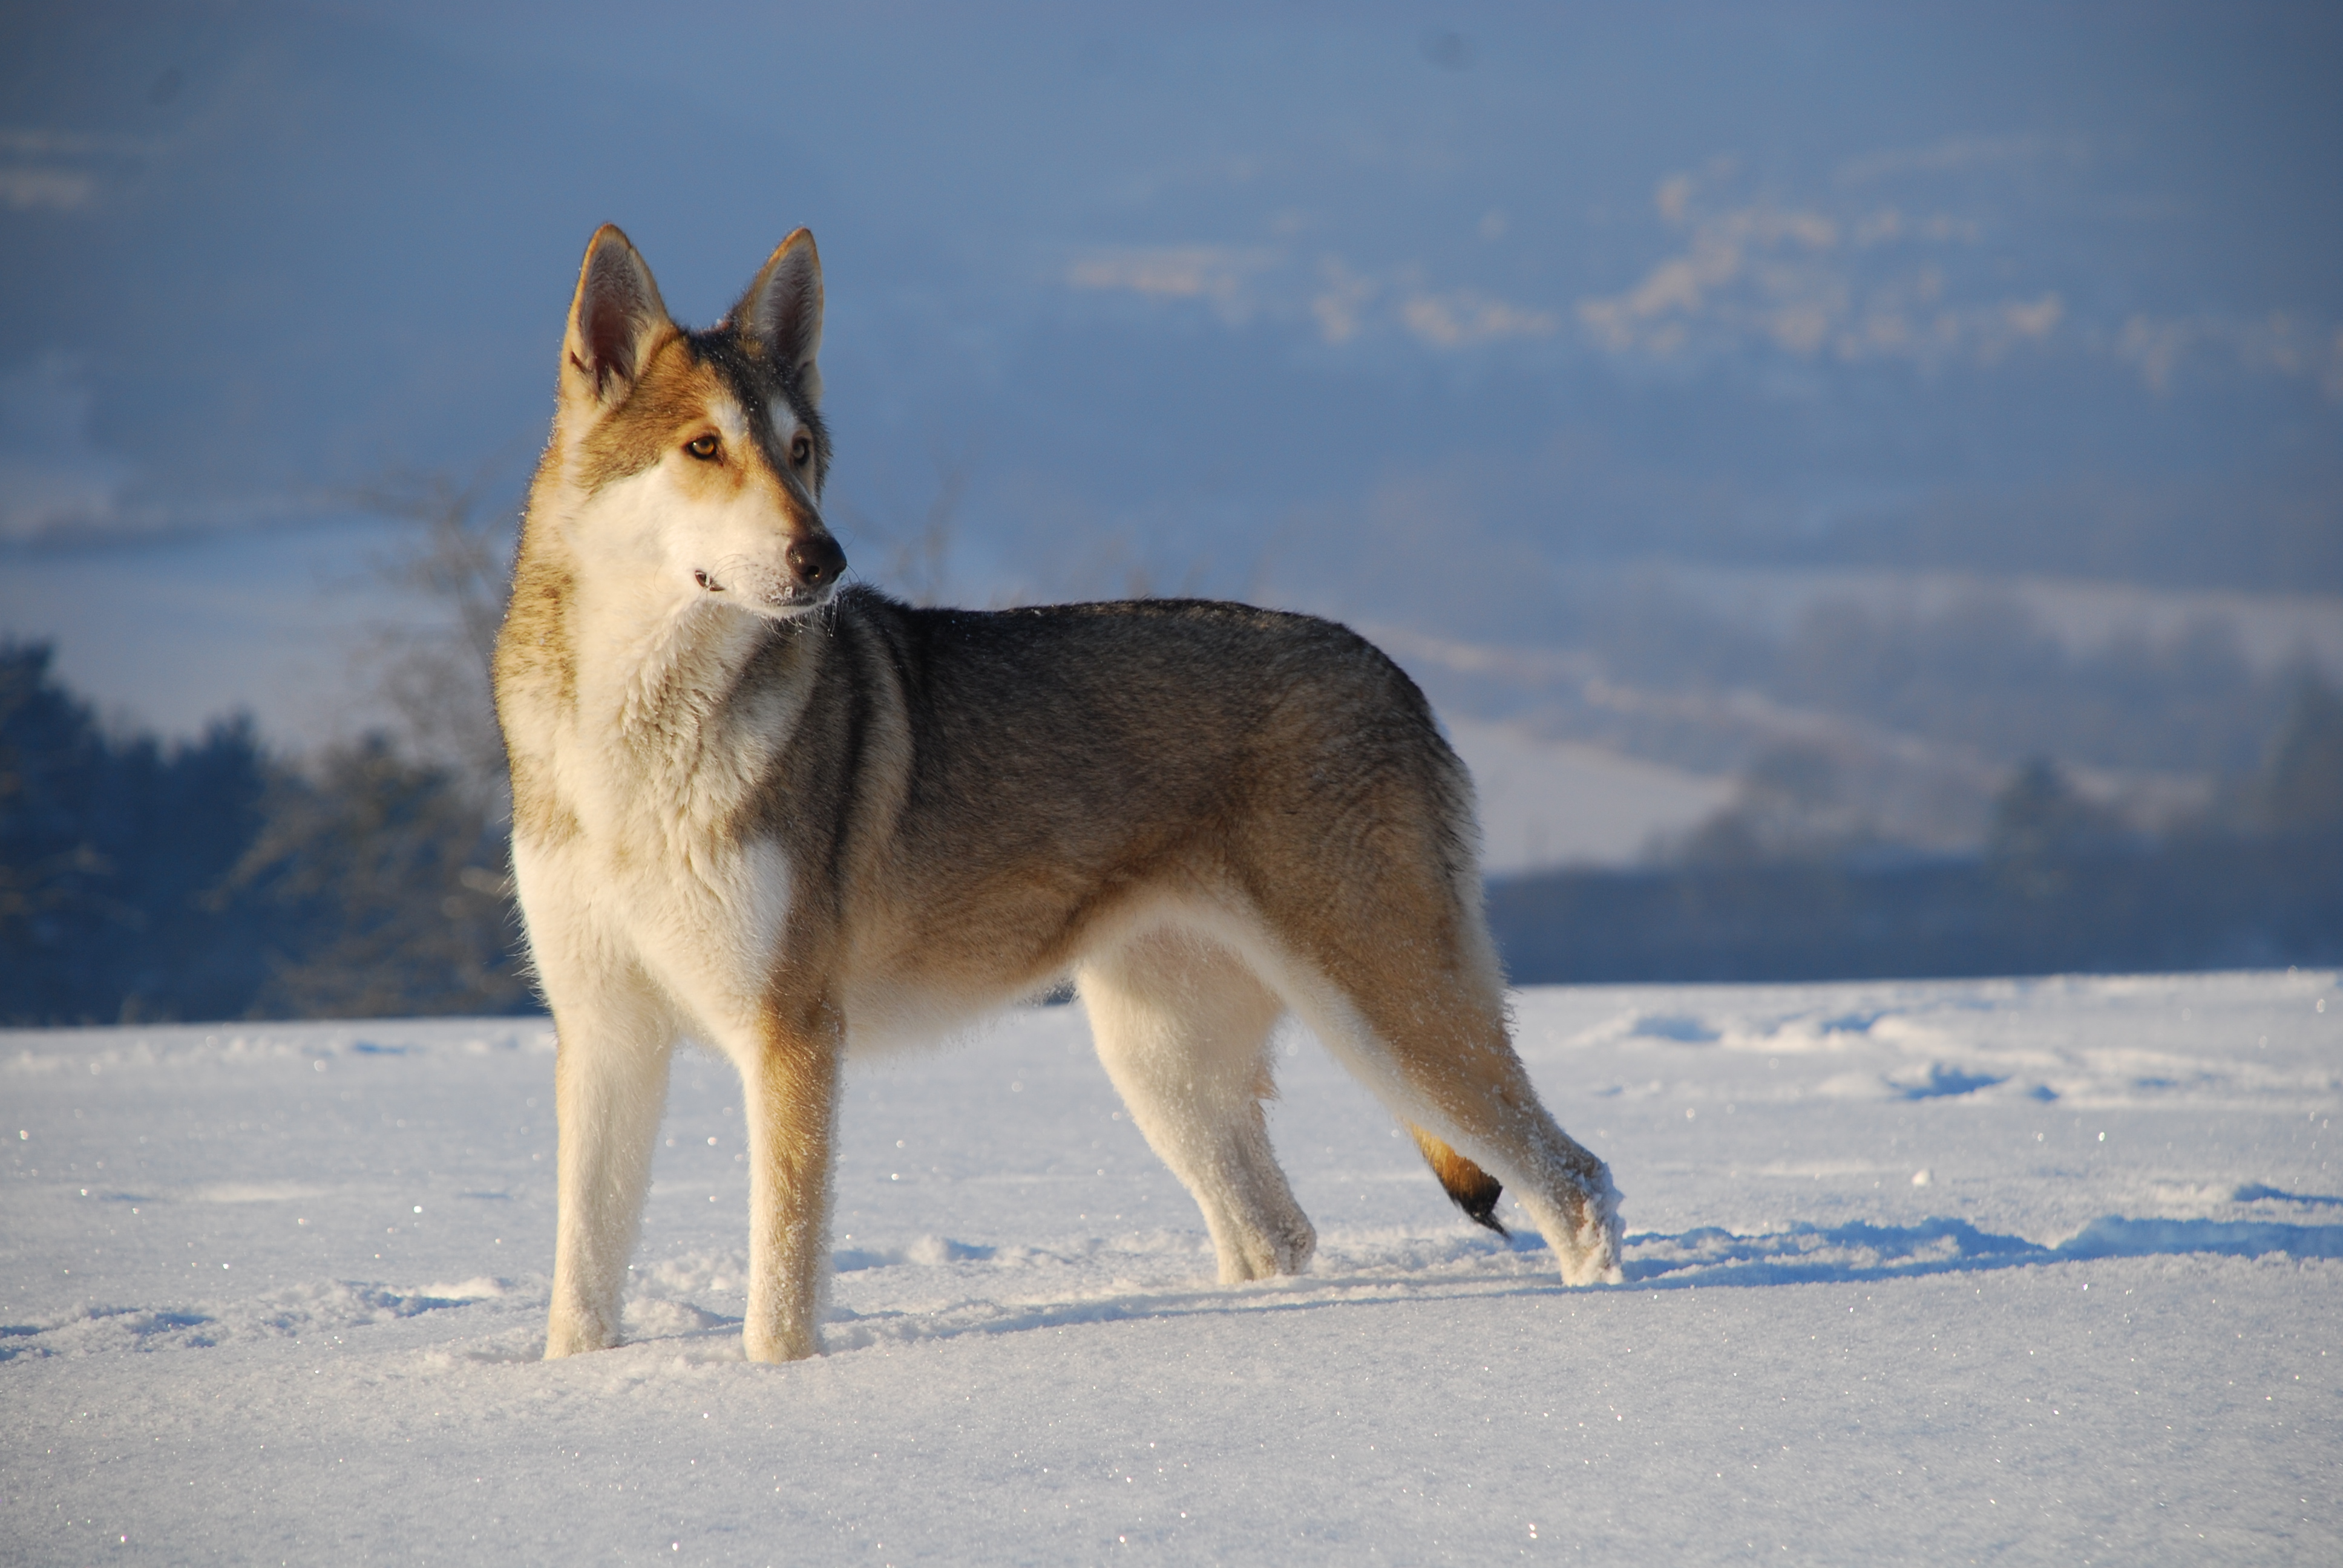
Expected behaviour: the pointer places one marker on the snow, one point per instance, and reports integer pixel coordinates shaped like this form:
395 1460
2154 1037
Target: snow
1999 1272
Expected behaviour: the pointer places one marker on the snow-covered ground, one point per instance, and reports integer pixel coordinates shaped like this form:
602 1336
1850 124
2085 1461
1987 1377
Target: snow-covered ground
2003 1271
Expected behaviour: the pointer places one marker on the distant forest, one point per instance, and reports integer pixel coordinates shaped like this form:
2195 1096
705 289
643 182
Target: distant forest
1765 890
209 879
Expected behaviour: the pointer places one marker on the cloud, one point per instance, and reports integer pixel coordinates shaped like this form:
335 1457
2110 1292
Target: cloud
62 189
1460 319
61 170
1852 283
1340 306
1344 302
1848 276
28 141
2162 349
1218 275
2034 318
1961 154
55 482
1674 196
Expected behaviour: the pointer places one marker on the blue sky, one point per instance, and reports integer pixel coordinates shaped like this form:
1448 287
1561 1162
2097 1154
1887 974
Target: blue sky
1400 312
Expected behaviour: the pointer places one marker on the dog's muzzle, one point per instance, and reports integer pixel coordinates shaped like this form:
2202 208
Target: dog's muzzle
811 570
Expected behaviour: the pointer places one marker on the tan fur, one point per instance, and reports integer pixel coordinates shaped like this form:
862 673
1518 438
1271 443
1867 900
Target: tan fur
791 822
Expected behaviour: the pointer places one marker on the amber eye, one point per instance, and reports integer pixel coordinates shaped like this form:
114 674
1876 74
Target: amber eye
802 450
703 448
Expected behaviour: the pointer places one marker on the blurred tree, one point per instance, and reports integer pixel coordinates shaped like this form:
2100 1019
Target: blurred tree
2041 825
386 890
2038 816
2301 783
110 853
1988 672
432 668
197 881
1789 804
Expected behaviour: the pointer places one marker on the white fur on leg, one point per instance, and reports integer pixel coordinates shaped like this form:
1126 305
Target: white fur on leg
789 1091
609 1093
1182 1030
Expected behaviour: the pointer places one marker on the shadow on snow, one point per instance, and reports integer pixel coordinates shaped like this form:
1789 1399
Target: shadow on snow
1803 1254
1806 1254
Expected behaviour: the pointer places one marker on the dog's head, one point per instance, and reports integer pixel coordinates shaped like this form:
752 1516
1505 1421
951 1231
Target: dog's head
699 457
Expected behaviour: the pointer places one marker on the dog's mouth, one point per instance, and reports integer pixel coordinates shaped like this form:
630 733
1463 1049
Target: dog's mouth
764 593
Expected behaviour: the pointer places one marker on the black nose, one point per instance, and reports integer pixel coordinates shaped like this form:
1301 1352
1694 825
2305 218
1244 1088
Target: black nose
816 560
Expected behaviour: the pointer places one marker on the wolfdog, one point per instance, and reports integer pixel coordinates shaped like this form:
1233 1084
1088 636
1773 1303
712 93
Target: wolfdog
789 819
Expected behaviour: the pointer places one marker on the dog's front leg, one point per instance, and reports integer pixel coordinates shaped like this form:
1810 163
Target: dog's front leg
610 1087
791 1090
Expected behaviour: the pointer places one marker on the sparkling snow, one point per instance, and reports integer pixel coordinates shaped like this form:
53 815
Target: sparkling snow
2003 1271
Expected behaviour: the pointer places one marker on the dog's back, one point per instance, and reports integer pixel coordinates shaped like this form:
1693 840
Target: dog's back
1074 761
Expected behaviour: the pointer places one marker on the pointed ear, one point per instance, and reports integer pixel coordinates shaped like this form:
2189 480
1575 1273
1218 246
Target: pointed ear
781 316
615 319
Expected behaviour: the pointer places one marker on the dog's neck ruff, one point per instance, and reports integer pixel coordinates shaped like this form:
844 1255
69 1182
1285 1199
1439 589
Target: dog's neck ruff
667 733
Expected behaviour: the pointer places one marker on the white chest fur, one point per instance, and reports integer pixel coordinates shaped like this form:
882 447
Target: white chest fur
655 882
704 930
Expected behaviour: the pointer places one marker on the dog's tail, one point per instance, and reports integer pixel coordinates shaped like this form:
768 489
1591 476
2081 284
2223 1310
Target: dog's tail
1473 1189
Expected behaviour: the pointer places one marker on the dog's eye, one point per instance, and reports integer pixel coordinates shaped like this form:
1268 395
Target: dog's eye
802 450
703 448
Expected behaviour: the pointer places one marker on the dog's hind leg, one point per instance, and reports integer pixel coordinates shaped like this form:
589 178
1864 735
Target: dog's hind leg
1183 1028
610 1087
1438 1055
1397 975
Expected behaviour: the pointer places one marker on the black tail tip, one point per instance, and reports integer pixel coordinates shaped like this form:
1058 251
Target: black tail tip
1468 1186
1480 1206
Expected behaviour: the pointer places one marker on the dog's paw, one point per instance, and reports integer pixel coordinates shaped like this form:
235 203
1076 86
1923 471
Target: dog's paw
1592 1269
1591 1254
785 1346
1264 1251
573 1336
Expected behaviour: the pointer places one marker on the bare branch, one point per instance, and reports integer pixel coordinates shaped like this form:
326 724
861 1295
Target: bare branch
433 670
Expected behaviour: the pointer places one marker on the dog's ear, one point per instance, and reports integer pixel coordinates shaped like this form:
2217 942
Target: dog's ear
614 321
781 316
